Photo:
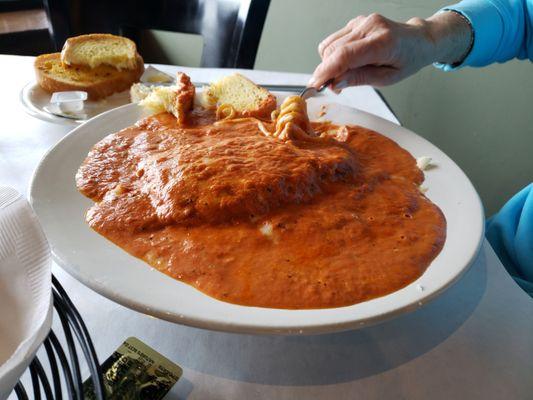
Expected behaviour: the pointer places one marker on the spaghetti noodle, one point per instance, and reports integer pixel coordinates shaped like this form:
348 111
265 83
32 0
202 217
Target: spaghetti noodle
225 112
290 121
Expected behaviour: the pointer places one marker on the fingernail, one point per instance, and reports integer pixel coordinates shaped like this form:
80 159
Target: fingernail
312 82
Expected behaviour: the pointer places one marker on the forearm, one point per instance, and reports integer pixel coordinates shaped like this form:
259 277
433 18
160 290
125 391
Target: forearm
451 35
503 30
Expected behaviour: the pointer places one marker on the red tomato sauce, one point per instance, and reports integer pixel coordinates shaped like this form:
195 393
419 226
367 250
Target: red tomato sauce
251 220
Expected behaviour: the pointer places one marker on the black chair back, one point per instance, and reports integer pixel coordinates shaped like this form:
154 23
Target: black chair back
231 29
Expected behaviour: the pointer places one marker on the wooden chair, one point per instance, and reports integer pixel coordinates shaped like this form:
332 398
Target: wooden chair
23 28
231 29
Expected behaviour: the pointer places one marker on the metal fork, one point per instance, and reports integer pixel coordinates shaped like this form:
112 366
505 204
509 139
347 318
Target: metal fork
309 92
305 91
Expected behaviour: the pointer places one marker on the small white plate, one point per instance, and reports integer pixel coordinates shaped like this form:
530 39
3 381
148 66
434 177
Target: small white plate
112 272
36 101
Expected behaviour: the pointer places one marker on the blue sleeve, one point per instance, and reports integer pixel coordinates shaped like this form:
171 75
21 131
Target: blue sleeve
510 232
503 29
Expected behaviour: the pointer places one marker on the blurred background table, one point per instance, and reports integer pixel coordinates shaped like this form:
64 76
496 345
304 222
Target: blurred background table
472 342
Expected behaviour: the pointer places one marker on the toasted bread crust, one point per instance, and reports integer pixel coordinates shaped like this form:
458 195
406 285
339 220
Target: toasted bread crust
264 110
99 87
72 42
184 100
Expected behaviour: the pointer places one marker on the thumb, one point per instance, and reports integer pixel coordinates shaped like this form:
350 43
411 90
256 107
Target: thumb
367 75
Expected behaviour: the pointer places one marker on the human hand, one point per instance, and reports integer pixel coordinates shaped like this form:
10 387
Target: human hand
376 51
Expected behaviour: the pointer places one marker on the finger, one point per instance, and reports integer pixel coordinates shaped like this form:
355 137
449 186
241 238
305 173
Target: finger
331 38
351 56
367 75
342 41
353 27
339 84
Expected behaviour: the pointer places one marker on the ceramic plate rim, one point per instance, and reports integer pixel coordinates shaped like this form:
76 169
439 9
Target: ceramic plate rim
311 321
31 108
34 111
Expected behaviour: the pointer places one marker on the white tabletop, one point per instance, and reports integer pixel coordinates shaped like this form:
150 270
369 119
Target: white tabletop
472 342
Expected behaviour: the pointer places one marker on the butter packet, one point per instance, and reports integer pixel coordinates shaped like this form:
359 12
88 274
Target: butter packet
135 372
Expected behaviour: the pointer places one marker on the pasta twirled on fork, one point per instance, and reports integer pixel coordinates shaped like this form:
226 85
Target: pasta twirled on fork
292 122
289 122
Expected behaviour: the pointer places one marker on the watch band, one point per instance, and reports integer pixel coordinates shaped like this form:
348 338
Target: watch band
472 38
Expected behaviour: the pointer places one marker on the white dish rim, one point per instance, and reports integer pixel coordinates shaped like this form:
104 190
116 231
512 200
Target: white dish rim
270 327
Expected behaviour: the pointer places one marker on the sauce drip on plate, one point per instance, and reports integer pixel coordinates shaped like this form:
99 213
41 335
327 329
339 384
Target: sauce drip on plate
252 220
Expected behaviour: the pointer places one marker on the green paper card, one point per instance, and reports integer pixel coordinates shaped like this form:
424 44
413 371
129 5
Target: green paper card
135 371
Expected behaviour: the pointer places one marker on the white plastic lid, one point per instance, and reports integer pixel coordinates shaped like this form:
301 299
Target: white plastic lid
69 101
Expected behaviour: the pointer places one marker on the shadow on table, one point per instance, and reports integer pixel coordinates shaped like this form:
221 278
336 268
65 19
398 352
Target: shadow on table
340 357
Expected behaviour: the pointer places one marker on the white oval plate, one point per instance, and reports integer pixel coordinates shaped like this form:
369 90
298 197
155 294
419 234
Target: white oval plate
112 272
35 100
